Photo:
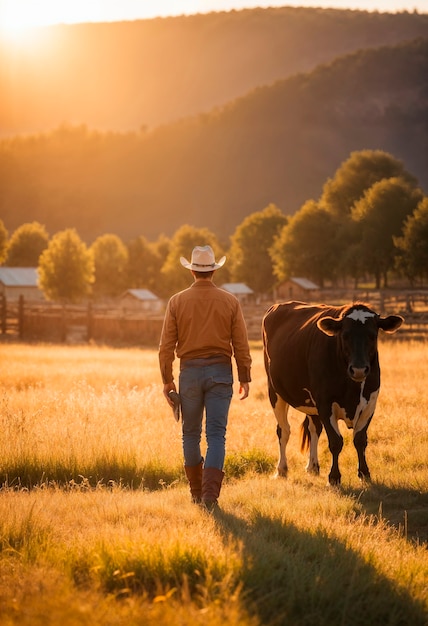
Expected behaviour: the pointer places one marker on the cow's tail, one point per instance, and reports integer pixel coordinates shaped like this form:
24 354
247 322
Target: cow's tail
305 435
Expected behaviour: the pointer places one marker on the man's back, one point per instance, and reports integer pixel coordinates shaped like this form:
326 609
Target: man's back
206 318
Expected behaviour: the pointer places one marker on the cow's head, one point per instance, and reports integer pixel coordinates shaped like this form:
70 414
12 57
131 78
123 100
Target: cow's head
357 331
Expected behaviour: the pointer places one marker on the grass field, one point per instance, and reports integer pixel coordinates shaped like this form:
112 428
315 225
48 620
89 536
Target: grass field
97 528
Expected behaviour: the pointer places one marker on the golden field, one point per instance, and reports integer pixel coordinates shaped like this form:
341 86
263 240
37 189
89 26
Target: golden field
96 524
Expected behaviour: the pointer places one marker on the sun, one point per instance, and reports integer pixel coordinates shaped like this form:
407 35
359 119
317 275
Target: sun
19 19
13 25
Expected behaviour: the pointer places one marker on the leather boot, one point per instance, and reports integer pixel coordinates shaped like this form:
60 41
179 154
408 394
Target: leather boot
194 476
211 486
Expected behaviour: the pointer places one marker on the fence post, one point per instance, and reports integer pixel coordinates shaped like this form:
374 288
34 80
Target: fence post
63 331
21 317
3 314
89 321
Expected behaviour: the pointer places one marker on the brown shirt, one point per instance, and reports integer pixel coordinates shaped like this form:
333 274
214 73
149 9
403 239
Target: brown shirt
200 322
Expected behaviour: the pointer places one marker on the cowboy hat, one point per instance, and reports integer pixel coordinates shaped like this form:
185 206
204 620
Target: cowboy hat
203 260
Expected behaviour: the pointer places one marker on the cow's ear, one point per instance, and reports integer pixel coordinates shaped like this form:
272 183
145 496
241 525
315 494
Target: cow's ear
391 323
329 325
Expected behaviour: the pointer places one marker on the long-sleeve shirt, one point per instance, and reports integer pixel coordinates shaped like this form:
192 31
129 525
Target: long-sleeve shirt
201 322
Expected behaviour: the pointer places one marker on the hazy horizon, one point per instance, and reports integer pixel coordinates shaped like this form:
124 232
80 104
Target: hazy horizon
17 16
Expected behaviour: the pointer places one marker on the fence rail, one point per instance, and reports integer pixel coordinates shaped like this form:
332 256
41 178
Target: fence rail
30 321
411 304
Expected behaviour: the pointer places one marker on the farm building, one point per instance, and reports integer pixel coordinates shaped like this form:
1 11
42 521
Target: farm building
141 300
20 281
297 289
240 290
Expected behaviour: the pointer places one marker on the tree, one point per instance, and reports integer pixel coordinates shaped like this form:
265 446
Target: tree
26 245
412 257
66 268
144 264
3 241
307 246
381 213
110 260
162 247
357 174
251 262
350 263
182 244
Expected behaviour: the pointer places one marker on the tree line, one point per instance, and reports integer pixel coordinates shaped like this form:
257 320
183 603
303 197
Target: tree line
370 223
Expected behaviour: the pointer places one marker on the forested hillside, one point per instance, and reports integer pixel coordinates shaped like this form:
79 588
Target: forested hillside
278 145
125 75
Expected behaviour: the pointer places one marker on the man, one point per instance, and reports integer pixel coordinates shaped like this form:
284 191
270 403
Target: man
204 325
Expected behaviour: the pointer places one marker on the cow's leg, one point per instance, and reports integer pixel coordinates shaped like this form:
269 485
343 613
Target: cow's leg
360 443
280 408
312 427
363 417
335 444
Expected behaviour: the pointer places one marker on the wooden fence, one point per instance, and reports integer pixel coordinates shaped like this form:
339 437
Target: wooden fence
76 324
411 304
29 321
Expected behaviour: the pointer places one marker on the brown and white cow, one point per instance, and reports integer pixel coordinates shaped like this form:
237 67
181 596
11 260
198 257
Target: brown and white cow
323 361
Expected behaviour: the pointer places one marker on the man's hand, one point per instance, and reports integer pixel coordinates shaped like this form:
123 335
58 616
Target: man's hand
166 389
244 388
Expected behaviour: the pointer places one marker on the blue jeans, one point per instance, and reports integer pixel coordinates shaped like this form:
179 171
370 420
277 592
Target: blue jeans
210 388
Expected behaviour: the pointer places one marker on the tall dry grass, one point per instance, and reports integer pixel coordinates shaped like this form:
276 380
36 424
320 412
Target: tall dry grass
96 524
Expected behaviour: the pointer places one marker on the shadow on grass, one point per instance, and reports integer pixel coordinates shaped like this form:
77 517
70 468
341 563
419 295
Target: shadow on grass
299 578
405 509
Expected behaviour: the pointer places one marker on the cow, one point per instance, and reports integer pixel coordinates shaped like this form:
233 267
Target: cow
323 361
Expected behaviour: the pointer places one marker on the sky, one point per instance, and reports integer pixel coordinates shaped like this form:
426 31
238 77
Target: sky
17 16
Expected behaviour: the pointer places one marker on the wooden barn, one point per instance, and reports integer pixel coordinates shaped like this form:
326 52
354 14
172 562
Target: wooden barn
297 289
240 290
141 300
20 281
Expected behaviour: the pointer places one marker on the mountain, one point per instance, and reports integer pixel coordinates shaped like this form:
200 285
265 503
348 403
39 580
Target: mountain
126 75
277 144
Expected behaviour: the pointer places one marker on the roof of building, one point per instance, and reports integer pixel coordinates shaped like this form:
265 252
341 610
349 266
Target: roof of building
141 294
19 276
239 289
304 283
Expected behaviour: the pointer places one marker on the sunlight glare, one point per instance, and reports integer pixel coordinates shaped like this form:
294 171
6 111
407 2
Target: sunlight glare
19 20
14 24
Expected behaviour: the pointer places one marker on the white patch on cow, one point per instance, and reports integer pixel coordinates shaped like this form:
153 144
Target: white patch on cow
311 398
360 316
307 410
310 408
338 413
363 412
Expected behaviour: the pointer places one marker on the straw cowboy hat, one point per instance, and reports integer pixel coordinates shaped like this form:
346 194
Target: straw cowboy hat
203 260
